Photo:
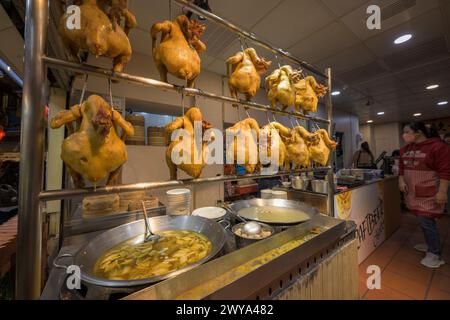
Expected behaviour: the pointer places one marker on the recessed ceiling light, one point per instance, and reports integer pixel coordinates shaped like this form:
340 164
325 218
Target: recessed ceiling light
403 38
433 86
380 113
442 103
335 93
369 121
417 114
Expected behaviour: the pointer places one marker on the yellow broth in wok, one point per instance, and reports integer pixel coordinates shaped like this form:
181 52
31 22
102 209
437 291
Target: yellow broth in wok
134 259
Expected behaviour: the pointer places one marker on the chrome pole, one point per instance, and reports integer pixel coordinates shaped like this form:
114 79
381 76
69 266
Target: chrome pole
29 245
78 193
249 35
107 73
330 174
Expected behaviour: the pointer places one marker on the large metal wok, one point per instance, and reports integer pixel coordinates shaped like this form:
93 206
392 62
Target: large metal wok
305 212
88 255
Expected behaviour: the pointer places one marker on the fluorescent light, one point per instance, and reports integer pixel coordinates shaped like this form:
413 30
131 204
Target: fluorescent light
380 113
442 103
369 121
417 114
335 93
403 38
432 86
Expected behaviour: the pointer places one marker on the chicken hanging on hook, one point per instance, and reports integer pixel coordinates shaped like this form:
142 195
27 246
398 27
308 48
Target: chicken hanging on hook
271 130
319 144
246 71
178 50
97 35
279 86
307 93
187 122
94 151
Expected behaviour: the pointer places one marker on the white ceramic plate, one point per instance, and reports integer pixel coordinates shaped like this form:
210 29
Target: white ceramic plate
213 213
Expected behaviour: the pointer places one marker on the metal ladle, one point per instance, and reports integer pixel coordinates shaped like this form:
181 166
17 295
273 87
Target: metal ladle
148 235
249 227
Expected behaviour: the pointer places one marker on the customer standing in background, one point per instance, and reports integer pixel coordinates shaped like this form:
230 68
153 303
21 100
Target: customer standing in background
363 158
424 178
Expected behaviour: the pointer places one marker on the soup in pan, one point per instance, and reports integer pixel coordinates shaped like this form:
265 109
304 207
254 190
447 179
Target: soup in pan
273 214
134 259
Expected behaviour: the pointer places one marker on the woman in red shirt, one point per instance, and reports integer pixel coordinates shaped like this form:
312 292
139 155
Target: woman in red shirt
424 174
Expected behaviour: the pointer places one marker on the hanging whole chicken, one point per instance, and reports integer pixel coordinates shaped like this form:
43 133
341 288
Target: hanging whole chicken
96 33
319 144
271 131
244 145
246 71
307 93
193 167
279 86
297 152
179 48
94 151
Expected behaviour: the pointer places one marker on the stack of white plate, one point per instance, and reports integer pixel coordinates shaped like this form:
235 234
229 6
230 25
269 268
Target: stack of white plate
276 194
178 202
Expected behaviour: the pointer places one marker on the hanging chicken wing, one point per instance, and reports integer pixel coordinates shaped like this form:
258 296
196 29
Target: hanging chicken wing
246 71
96 35
179 48
94 151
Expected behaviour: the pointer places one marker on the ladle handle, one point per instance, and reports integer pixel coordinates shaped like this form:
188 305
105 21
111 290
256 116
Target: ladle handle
229 209
147 226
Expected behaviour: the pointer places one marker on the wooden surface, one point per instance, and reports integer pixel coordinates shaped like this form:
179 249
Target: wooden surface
336 278
8 240
392 206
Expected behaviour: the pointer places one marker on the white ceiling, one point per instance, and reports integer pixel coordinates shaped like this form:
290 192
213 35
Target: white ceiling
333 33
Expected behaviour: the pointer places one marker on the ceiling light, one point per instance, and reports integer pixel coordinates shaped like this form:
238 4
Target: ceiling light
335 93
403 38
417 114
442 103
369 121
380 113
433 86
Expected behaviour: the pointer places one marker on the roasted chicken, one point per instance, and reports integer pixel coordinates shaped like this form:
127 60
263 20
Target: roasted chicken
279 87
196 156
272 133
93 151
178 50
307 93
118 9
244 144
96 35
319 144
297 153
246 71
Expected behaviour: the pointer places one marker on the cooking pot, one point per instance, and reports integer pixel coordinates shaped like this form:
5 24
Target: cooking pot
88 255
242 241
303 211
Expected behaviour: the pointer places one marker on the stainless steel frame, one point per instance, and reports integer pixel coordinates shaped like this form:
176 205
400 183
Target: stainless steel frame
249 35
29 253
29 242
107 73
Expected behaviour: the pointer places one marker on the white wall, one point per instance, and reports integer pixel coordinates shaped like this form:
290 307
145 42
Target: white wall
383 137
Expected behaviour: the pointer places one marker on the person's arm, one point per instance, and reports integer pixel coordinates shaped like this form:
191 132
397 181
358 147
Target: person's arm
442 165
401 180
442 196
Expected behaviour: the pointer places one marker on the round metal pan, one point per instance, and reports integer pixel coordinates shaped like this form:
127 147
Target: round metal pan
305 212
88 255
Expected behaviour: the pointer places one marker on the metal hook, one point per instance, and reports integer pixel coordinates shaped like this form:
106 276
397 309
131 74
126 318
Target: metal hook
182 102
110 93
246 111
83 91
273 116
267 115
292 123
242 44
278 61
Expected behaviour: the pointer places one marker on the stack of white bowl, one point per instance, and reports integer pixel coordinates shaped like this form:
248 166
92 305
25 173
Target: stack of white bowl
178 202
273 194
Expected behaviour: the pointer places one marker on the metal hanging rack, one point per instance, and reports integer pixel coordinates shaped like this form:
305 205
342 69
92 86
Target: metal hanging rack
31 196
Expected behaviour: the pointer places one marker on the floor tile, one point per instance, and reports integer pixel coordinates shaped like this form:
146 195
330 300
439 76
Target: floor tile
435 294
386 293
404 285
440 282
415 272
